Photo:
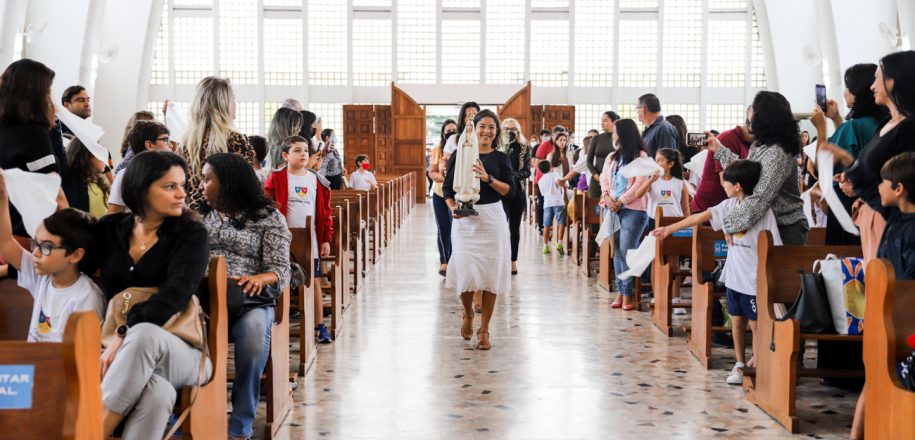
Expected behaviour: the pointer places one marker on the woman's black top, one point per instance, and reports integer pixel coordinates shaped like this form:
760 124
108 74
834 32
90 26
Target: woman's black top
497 165
519 156
865 173
176 264
28 148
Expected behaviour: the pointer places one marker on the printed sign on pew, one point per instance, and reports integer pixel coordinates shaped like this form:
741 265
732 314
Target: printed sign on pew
721 248
683 233
16 386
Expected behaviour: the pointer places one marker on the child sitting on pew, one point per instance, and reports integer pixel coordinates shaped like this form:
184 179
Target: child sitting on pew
300 193
897 205
554 206
362 179
49 272
739 274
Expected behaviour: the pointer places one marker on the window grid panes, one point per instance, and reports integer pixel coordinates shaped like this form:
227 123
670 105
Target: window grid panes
372 3
416 49
238 41
689 113
505 21
460 51
461 3
757 61
283 3
160 67
727 4
270 109
371 52
247 117
639 4
638 48
727 53
193 49
682 53
593 43
156 108
549 53
587 117
193 3
723 117
327 34
548 3
627 111
283 55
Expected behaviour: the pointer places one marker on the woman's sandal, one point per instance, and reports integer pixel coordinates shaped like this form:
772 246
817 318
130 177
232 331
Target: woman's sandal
483 341
467 330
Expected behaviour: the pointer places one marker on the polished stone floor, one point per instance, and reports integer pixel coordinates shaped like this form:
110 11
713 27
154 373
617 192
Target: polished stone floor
564 365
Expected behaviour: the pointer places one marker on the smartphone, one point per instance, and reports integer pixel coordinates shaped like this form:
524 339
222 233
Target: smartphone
821 96
695 139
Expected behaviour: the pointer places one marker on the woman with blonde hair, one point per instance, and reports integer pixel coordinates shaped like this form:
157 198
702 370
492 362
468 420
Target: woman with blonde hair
211 130
519 154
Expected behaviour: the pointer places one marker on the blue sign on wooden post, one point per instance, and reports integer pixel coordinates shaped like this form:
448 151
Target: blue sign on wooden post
16 386
721 248
684 233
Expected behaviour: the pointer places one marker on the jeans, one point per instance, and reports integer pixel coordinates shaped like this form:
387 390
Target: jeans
632 224
514 210
251 334
443 221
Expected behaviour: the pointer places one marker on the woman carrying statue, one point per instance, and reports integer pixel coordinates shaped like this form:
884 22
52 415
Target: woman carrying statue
479 177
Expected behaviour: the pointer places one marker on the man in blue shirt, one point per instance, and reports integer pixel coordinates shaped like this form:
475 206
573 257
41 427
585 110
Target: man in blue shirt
658 132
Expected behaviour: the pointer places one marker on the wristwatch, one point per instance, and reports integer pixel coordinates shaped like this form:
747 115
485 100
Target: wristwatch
489 181
121 331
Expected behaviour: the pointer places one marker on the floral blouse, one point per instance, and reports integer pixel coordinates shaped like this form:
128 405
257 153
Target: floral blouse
251 247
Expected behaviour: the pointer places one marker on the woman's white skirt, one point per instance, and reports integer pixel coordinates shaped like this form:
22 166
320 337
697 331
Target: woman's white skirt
480 252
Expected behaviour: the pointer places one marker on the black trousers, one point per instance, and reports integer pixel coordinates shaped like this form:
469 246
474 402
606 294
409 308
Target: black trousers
539 208
514 210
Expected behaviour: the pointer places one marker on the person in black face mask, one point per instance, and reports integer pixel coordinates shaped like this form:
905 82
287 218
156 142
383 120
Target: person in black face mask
437 166
519 154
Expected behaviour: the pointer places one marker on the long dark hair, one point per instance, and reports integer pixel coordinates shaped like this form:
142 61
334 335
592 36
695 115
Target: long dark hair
240 192
631 144
773 123
557 153
496 141
307 131
858 80
25 94
680 125
462 116
900 67
79 158
673 156
442 140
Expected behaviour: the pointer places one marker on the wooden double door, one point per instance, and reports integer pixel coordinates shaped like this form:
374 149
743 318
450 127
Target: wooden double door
534 118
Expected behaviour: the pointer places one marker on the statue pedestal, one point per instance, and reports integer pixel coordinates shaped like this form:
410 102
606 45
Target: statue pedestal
466 210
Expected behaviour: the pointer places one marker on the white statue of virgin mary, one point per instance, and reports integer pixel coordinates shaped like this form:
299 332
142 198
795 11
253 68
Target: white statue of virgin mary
466 182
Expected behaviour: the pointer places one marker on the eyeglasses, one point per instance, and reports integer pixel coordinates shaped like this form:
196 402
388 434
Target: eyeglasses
46 247
163 139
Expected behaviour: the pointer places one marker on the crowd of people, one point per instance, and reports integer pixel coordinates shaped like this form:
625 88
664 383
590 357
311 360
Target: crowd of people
153 220
752 180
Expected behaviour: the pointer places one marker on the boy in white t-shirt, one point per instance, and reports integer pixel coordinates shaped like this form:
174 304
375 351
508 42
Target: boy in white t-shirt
50 271
739 274
362 179
554 205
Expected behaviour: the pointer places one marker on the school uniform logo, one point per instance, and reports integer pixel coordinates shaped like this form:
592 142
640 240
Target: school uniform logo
301 191
666 194
44 323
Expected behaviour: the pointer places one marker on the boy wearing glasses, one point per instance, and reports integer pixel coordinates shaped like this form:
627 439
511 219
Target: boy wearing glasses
49 272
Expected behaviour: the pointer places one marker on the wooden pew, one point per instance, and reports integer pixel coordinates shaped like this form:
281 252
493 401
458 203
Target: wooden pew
207 418
335 268
707 246
772 386
590 217
665 272
302 254
369 215
889 412
65 406
353 250
277 380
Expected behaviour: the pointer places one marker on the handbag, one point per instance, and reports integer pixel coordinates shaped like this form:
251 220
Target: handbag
811 308
187 324
844 281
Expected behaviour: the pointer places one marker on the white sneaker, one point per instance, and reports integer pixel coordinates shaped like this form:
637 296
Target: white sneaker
678 311
736 376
